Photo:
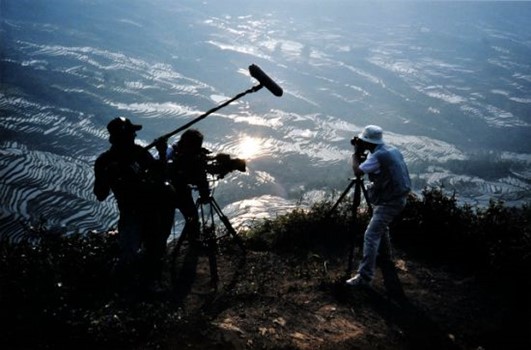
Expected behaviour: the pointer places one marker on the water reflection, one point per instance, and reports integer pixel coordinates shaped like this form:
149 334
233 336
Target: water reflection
245 213
249 147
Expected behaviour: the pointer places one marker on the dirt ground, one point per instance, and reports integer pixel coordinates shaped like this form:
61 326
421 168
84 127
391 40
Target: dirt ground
275 301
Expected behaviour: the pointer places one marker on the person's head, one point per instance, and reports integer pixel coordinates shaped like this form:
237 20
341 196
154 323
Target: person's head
372 135
191 141
122 131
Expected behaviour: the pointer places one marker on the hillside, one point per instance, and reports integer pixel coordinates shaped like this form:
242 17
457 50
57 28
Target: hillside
278 301
464 282
285 301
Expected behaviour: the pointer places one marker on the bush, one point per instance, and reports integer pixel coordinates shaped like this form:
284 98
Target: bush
303 230
436 227
492 241
506 236
58 290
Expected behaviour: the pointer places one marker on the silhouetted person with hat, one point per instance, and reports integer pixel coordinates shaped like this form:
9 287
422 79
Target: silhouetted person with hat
136 179
387 192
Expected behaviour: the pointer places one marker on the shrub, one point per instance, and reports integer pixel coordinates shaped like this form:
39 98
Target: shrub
492 241
59 289
436 227
506 236
308 229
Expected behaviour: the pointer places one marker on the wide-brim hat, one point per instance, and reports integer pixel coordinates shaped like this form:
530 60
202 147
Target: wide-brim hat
372 134
122 125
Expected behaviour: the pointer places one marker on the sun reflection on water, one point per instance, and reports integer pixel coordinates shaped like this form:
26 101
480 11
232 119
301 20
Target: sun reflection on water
249 147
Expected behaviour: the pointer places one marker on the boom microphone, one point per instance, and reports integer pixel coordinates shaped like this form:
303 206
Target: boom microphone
256 73
265 80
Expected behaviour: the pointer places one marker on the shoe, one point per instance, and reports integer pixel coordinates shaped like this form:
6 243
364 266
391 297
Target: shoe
358 281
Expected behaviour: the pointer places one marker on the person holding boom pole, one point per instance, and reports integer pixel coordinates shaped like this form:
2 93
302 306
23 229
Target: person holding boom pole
136 179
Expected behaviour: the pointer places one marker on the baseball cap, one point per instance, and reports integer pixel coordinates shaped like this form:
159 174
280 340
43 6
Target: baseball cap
121 125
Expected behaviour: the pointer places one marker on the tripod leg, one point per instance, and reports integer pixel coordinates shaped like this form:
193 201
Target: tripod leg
355 204
228 225
208 236
345 192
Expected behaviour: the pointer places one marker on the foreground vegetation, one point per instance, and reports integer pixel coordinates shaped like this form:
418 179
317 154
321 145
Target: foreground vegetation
59 290
484 241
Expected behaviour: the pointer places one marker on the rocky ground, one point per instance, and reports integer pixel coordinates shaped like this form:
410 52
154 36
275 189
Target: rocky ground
275 301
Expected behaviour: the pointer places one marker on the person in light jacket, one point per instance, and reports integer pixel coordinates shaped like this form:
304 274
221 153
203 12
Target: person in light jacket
387 192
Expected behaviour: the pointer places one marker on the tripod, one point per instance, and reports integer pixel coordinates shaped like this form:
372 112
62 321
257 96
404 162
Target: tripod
208 239
207 212
390 276
359 188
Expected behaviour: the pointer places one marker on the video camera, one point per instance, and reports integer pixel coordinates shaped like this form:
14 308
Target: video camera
221 164
360 148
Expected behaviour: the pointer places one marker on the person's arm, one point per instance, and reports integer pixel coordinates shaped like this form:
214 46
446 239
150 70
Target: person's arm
162 149
370 165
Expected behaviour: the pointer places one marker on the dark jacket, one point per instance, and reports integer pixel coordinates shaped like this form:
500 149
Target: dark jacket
131 173
188 168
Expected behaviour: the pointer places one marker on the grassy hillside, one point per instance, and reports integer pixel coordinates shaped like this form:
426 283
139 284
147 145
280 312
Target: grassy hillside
59 290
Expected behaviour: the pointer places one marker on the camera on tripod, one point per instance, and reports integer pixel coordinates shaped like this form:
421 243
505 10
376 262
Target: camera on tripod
221 164
360 148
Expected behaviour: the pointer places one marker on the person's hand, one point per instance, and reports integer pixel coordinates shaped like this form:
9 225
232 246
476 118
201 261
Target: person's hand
161 144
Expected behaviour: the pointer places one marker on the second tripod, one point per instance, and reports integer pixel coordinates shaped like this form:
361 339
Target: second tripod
359 189
207 214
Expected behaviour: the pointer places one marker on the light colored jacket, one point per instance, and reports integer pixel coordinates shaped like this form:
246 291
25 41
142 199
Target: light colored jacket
391 181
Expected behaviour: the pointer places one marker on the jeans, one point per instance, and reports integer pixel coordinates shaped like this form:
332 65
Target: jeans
131 226
140 228
377 242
